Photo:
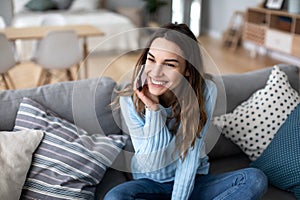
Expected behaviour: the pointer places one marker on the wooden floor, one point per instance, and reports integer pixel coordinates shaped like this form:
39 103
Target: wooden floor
218 59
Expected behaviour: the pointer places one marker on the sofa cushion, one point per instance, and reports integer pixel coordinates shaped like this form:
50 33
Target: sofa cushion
16 150
75 160
111 179
224 148
276 193
280 161
84 102
253 124
230 163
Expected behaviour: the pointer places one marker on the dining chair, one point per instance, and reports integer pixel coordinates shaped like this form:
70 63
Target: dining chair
7 61
2 22
52 19
3 25
58 51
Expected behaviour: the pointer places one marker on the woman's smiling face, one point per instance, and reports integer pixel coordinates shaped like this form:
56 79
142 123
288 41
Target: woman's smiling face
165 66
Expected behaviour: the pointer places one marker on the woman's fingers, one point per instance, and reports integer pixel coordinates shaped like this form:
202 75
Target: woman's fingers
150 101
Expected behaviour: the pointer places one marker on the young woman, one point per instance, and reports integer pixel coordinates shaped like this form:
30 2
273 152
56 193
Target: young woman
168 115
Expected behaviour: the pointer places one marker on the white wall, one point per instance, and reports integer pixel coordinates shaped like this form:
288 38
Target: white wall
216 14
164 12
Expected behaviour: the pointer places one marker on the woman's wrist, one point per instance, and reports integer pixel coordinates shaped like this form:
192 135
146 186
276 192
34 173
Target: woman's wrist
153 107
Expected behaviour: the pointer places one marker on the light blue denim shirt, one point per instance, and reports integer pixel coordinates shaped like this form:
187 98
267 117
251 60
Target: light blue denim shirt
154 145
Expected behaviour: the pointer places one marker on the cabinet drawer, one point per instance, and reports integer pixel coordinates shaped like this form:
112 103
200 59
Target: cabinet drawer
280 41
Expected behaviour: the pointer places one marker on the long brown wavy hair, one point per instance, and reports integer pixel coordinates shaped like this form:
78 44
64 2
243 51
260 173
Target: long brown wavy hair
188 108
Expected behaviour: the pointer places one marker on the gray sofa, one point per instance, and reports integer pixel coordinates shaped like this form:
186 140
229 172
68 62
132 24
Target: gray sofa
85 103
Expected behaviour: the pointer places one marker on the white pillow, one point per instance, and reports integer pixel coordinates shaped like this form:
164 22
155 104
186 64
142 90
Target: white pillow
19 5
84 5
253 124
16 149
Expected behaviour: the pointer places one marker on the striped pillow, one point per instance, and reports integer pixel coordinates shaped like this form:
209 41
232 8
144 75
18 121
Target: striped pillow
69 163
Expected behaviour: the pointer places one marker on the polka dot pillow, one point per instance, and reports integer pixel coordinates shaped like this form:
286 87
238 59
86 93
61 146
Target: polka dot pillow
253 124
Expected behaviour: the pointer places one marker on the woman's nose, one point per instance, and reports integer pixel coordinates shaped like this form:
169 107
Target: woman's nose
157 70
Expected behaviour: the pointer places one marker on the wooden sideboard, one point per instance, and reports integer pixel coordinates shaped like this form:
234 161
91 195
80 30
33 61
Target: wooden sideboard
274 30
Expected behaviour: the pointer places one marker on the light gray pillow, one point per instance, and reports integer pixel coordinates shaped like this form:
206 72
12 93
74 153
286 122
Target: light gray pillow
16 150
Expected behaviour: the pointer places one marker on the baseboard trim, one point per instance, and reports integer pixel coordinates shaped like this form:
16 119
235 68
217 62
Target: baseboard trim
260 50
274 54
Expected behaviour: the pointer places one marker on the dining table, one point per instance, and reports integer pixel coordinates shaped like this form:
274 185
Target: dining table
39 32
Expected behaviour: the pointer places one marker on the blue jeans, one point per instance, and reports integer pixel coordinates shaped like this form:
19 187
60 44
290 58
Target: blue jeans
248 183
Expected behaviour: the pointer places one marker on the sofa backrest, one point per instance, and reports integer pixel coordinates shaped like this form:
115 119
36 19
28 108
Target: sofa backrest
239 87
85 103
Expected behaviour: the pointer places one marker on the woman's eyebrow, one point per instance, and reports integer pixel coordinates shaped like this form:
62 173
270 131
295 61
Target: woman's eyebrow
171 60
166 60
151 54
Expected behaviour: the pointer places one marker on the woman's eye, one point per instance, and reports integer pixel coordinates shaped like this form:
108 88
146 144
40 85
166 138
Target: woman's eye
169 65
150 59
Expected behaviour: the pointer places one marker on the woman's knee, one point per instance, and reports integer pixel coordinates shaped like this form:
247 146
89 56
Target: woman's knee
116 194
259 180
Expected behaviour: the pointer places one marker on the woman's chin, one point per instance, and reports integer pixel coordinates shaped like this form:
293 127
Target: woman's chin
157 90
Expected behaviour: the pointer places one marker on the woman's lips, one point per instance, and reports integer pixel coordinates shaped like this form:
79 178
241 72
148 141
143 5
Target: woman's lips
158 83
